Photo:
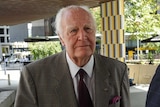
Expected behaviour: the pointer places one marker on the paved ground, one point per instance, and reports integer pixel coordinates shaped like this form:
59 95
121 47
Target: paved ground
9 76
138 93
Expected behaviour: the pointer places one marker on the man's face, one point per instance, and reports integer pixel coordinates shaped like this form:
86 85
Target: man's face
78 34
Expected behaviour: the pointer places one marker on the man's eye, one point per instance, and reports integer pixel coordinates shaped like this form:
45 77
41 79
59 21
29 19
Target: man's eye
73 32
88 30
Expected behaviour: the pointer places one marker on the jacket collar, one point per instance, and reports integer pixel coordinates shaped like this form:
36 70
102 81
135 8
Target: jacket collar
102 85
65 87
65 83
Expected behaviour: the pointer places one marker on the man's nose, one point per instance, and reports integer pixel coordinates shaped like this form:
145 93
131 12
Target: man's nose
82 35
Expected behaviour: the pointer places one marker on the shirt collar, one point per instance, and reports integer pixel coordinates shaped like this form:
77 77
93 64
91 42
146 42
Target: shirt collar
74 68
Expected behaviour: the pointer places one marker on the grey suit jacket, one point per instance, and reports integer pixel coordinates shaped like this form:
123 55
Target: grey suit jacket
48 83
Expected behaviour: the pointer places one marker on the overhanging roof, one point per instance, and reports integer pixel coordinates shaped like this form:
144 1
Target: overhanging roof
14 12
152 39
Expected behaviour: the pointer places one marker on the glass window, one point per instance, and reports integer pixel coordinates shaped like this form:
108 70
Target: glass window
1 30
8 39
2 39
7 31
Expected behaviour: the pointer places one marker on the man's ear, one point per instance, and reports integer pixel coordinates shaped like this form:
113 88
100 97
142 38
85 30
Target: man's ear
61 40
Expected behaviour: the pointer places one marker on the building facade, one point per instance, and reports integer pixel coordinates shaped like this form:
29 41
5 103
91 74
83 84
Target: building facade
4 41
12 39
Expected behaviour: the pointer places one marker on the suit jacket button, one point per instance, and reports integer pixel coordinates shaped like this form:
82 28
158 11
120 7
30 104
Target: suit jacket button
106 89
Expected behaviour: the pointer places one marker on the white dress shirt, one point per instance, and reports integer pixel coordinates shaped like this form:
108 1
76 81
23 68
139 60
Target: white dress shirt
88 80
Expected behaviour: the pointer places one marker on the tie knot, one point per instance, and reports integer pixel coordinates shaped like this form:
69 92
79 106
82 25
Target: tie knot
81 73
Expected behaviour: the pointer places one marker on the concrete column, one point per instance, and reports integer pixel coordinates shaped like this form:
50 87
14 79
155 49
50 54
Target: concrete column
113 41
48 26
1 57
38 28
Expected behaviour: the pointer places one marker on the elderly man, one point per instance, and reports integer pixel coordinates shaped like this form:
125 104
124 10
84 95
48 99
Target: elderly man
76 77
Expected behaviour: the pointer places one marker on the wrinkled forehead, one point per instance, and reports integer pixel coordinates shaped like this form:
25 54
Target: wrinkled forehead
76 12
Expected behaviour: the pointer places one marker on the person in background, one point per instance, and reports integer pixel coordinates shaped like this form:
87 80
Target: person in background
77 76
153 95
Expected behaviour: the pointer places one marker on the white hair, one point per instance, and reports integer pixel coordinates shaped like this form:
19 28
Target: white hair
59 16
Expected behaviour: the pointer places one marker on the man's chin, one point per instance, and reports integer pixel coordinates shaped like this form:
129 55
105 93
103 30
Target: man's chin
84 54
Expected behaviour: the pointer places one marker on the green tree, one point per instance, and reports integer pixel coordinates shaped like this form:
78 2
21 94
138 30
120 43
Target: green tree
96 13
141 18
43 49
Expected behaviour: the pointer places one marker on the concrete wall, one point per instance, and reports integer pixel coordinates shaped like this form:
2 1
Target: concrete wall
18 32
7 98
1 52
38 28
142 74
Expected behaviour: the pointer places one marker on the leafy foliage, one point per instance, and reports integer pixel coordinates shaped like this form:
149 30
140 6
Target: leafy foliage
96 13
43 49
141 18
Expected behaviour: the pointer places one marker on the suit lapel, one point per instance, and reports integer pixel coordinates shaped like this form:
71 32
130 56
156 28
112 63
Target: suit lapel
102 85
65 88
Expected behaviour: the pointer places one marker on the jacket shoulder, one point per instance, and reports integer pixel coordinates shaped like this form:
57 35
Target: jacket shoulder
48 60
108 60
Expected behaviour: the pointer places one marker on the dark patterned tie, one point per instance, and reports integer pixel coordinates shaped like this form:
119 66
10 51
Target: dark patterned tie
84 96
